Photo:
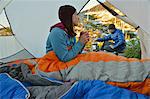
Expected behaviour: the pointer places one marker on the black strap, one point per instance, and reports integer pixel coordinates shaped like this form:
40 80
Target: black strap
137 27
109 9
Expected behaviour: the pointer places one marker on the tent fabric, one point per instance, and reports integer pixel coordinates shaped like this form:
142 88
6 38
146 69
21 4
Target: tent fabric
99 90
145 43
9 46
11 88
29 24
11 50
23 54
3 4
35 27
35 21
3 22
132 12
90 4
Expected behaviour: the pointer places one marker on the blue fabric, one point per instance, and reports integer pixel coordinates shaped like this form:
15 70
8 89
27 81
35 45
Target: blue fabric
26 84
10 88
99 90
59 41
117 37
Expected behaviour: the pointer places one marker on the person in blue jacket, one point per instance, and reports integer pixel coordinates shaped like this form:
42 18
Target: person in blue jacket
62 38
117 36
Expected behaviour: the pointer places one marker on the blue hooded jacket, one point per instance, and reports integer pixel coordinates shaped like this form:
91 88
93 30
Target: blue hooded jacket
117 36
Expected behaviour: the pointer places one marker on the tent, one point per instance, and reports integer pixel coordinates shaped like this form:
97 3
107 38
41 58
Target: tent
30 22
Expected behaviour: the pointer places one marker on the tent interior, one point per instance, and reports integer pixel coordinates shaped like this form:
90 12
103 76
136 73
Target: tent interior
27 71
29 23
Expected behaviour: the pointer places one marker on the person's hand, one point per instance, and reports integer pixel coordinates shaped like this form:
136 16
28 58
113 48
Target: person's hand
99 40
84 37
111 46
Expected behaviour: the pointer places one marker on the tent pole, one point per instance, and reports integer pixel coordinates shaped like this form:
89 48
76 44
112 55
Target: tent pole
84 6
14 34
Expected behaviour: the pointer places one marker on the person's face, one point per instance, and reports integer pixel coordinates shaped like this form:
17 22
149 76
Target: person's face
75 19
111 30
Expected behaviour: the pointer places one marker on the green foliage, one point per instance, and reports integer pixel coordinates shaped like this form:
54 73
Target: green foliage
91 17
132 34
133 49
96 26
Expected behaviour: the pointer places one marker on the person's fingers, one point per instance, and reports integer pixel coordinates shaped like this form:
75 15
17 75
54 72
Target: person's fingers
85 36
86 39
82 36
86 33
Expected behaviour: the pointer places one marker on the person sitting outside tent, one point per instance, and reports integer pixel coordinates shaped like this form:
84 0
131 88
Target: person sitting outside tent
117 36
62 38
